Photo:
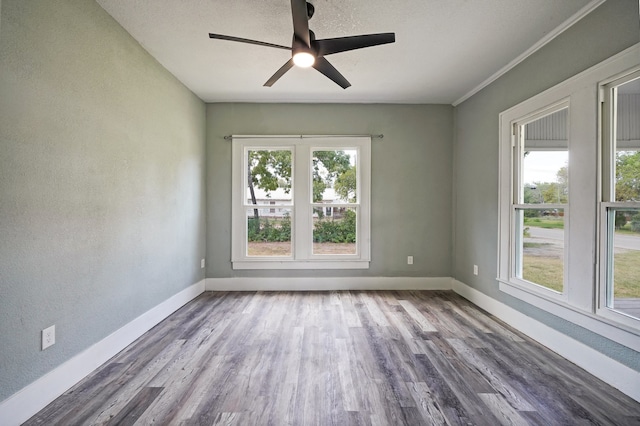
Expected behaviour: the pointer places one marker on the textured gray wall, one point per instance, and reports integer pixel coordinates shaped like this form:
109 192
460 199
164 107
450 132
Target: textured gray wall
101 183
411 180
611 28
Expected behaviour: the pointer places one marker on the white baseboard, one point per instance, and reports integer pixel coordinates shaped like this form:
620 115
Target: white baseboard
28 401
327 283
606 369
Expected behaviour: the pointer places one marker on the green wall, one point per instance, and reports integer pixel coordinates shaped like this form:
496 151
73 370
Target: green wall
411 180
611 28
102 208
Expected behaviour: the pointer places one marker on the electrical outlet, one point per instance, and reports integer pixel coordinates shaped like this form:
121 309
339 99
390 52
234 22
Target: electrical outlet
201 263
48 337
409 260
475 269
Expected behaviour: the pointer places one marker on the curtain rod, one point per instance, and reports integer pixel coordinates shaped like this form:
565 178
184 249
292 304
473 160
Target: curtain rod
230 137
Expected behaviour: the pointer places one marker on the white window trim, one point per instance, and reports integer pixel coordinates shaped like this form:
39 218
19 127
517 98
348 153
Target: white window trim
302 257
580 306
517 126
602 308
510 122
606 191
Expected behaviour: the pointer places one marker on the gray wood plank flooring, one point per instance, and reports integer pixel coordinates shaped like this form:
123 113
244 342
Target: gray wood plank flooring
337 358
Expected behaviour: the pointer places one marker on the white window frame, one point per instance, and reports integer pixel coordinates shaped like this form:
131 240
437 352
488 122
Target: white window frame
302 148
580 302
518 126
608 123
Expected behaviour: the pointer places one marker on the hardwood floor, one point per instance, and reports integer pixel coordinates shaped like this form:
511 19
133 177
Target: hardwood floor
338 358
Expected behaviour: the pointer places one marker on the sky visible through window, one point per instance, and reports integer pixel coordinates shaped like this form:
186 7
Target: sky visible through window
543 166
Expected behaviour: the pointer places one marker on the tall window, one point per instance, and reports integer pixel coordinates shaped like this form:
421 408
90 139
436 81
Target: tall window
300 202
541 161
334 177
620 207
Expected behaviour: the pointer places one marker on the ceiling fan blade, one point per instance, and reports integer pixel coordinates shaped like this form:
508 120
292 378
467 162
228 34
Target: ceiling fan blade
283 69
328 70
329 46
300 21
246 40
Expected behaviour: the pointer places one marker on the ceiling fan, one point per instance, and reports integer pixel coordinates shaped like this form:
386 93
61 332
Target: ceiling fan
306 51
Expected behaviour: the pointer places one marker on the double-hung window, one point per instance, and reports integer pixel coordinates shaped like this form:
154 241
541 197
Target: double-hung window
540 198
569 199
620 207
301 202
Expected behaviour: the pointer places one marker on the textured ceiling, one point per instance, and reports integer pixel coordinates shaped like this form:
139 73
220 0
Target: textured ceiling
444 48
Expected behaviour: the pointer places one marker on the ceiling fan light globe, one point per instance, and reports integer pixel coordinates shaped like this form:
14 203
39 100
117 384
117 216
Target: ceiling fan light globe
303 59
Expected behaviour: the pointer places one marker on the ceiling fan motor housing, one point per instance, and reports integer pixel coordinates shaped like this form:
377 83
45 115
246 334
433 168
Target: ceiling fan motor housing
298 45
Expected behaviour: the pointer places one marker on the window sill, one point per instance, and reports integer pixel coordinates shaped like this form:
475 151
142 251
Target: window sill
300 264
605 327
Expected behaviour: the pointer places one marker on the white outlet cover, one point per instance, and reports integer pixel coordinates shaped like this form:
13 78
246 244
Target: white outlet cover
48 337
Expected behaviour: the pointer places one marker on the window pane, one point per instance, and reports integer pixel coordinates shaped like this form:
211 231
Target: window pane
627 175
269 233
540 247
627 143
334 176
269 177
545 158
334 230
624 266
